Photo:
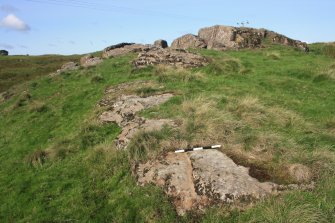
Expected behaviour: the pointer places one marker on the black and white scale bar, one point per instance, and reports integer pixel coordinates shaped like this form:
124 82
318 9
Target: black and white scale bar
197 148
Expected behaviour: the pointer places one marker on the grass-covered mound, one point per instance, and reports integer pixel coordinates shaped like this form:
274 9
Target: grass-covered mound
269 108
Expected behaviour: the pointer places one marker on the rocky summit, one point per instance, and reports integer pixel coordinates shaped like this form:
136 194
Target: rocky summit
227 37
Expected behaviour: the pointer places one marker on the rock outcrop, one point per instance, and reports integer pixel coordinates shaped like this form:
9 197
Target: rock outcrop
69 66
228 37
3 53
123 111
200 178
122 49
178 58
161 43
188 41
90 61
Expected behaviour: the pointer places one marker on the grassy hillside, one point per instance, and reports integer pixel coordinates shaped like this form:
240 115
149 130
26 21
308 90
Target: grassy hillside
17 69
269 108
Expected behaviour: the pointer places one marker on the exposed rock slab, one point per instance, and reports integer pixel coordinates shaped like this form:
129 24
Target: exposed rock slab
90 61
173 173
197 179
188 41
178 58
69 66
124 113
123 48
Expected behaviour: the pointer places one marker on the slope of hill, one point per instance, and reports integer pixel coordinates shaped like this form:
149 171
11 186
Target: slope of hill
17 69
270 107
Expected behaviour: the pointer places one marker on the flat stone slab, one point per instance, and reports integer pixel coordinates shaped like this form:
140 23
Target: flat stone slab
124 113
197 179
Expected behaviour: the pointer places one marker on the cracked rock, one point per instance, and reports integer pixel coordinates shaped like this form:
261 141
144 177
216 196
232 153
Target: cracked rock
124 113
200 178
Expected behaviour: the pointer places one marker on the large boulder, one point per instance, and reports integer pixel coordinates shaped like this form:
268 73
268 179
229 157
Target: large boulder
170 57
122 49
161 43
228 37
3 53
188 41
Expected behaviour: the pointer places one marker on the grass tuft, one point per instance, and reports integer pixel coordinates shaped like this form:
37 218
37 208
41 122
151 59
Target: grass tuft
288 211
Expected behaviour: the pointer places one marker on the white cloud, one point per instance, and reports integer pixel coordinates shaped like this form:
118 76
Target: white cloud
14 23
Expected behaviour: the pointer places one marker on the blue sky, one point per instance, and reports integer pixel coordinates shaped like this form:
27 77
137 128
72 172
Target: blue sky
80 26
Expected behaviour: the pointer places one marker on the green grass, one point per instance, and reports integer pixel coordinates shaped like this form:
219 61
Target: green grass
17 69
59 164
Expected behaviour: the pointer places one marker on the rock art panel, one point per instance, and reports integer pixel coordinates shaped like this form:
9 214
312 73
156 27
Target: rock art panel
124 113
197 179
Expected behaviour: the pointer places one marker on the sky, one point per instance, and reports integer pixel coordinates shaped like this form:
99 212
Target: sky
39 27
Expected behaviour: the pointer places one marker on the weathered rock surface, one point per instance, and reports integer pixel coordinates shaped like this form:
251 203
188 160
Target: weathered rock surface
178 58
123 112
228 37
122 49
3 53
161 43
69 66
188 41
90 61
200 178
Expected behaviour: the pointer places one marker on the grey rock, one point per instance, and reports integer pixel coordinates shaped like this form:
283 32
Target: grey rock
188 41
177 58
124 113
197 179
161 43
69 66
228 37
90 61
123 48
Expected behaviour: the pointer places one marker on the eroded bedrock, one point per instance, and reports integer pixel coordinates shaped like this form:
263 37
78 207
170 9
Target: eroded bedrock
124 113
197 179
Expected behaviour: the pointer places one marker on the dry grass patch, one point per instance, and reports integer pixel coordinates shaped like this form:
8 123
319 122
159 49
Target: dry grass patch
249 109
226 66
168 73
279 211
273 55
204 122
